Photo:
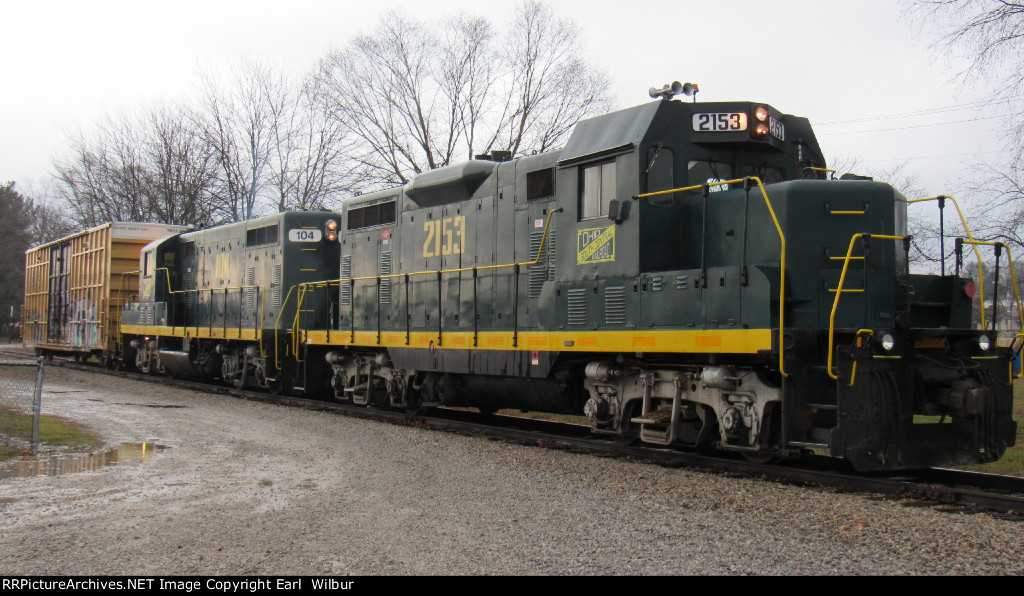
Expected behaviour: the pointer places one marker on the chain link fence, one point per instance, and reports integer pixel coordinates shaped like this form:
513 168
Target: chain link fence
21 388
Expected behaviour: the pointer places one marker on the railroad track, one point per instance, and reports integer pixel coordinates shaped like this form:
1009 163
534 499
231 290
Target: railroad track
950 489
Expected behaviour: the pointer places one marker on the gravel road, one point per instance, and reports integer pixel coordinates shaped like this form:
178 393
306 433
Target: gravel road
249 488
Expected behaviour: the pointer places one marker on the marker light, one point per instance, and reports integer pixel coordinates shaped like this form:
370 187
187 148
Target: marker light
761 113
970 289
887 342
984 343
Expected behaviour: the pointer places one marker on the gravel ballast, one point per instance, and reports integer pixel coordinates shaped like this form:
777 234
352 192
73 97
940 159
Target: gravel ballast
249 488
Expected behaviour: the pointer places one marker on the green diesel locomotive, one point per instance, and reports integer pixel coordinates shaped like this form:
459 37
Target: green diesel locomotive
680 273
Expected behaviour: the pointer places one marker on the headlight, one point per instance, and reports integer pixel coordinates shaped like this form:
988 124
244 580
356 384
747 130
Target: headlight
887 341
332 225
761 131
761 113
984 343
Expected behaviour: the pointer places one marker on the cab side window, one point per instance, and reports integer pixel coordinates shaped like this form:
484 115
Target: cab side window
597 189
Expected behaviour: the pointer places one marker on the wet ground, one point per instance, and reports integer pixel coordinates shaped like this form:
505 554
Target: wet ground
72 463
218 485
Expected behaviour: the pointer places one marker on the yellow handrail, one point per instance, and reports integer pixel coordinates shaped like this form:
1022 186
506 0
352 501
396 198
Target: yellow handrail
1013 277
261 289
977 253
782 255
839 294
298 310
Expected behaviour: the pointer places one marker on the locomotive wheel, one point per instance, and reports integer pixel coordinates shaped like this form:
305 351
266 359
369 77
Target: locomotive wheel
759 458
629 433
413 403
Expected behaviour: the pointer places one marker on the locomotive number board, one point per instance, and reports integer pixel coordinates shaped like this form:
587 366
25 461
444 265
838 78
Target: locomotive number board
721 122
305 235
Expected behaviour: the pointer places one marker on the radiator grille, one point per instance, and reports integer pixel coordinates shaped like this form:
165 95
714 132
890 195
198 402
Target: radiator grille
250 292
346 275
385 284
277 286
615 305
544 270
577 306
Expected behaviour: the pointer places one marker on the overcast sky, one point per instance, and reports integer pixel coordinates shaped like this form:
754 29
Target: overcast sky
67 63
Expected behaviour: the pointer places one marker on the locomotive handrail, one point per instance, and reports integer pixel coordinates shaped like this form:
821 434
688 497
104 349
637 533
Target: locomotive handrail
823 170
295 322
782 255
963 220
1016 355
839 294
1013 277
260 290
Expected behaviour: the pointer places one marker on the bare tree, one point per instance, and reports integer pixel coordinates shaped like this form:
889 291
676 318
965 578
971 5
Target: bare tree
50 217
153 167
182 168
552 86
381 88
239 121
307 167
467 77
102 179
414 99
990 35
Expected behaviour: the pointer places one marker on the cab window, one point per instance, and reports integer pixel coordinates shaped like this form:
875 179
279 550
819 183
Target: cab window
597 189
659 174
708 172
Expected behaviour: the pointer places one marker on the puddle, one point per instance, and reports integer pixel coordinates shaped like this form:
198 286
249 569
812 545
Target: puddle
57 465
149 405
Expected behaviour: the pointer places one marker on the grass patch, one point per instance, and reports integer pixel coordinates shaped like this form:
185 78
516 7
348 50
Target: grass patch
55 435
